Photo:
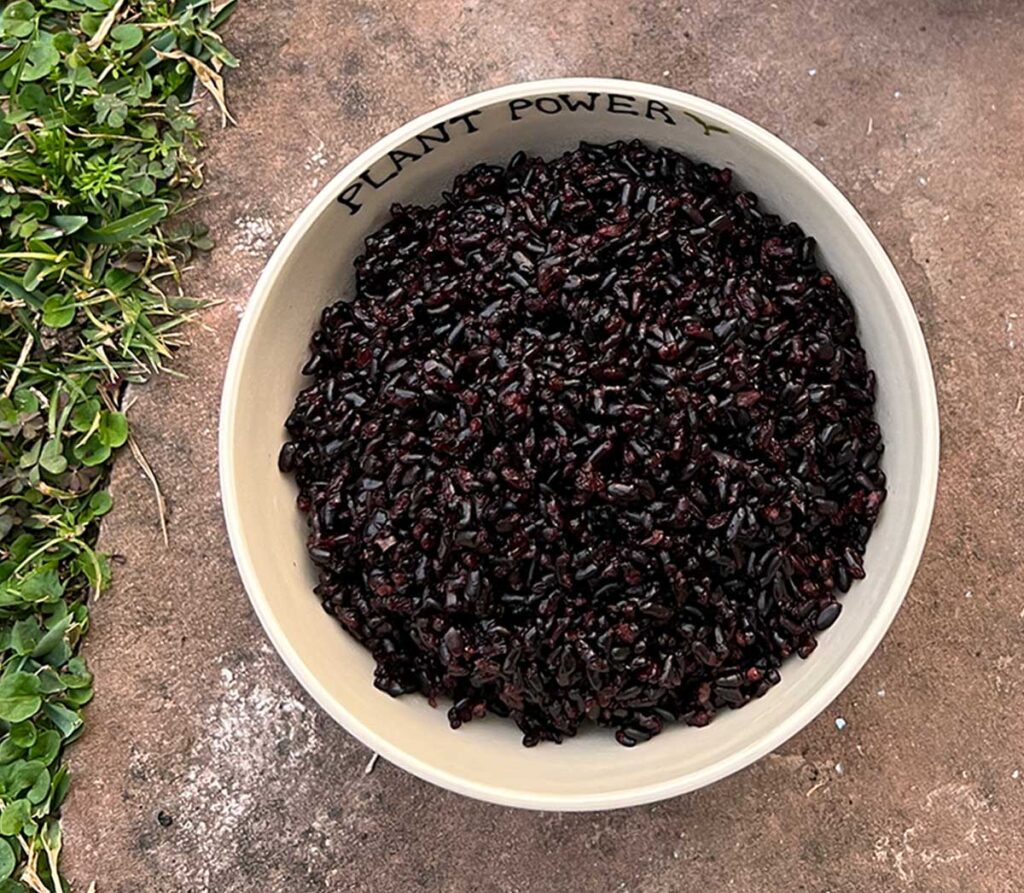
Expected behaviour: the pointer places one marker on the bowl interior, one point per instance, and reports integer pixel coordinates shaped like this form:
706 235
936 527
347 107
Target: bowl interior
313 267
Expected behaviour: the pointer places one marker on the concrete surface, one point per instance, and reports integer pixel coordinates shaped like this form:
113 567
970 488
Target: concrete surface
914 110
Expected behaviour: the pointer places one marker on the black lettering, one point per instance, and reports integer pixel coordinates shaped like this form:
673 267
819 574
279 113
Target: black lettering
620 104
399 157
655 107
347 196
516 106
365 177
548 105
465 119
425 138
574 103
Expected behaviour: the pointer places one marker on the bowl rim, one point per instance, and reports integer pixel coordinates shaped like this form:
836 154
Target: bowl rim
776 734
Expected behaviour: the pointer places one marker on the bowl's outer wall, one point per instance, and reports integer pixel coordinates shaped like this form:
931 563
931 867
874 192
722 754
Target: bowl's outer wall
313 267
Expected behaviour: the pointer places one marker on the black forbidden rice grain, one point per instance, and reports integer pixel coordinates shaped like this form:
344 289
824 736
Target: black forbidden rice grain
591 440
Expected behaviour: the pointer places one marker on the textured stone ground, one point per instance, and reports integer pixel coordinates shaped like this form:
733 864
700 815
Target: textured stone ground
914 110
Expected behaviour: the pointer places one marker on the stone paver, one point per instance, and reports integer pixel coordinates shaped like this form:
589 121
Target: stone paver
914 110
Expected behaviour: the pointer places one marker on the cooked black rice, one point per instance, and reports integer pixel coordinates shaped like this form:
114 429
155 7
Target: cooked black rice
592 439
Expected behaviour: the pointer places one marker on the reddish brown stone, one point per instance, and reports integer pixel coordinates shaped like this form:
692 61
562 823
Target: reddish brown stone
912 109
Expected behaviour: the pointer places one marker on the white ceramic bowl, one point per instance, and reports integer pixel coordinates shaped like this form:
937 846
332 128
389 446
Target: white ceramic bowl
313 267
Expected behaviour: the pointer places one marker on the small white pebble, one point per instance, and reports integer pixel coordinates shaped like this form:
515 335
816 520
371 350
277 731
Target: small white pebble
969 594
666 73
897 95
675 854
840 723
881 693
839 768
371 764
1015 774
922 181
812 71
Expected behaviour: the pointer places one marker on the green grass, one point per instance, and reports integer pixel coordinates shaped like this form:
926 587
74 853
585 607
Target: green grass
97 156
